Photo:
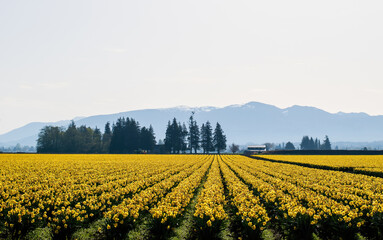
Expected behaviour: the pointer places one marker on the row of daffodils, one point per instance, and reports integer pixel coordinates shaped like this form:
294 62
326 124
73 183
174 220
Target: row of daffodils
65 193
361 163
311 200
209 211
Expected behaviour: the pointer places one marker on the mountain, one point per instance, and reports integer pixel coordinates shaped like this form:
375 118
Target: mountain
248 123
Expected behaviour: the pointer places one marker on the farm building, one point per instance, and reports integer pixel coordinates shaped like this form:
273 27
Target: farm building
255 149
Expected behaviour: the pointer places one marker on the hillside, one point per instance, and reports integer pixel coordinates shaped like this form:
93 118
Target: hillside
253 122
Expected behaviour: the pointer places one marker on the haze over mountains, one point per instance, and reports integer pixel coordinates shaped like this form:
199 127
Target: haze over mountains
250 123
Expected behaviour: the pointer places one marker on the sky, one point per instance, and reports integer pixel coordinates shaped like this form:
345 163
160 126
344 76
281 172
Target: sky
62 59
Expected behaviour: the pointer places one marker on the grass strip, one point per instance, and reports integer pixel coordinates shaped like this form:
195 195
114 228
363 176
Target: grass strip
40 234
94 231
186 226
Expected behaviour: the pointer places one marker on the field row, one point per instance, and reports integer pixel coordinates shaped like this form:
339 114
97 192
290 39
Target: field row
361 163
313 200
67 193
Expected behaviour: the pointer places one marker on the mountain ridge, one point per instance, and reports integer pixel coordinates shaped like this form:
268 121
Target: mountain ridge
252 122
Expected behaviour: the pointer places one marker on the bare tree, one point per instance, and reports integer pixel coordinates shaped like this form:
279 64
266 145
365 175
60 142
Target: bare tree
234 148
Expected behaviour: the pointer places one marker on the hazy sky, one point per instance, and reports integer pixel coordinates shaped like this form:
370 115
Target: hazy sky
61 59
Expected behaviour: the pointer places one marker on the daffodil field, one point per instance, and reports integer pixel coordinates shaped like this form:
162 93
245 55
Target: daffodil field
359 163
208 196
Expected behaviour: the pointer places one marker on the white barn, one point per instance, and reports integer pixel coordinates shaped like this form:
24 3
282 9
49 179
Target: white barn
255 149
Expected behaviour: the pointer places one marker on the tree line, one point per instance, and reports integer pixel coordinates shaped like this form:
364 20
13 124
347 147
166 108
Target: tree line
179 138
74 139
126 136
308 143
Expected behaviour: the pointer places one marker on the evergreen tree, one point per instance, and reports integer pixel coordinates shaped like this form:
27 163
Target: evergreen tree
289 146
308 143
210 137
178 137
147 138
305 144
311 144
152 141
168 138
71 139
97 141
326 144
125 136
203 140
117 140
194 135
85 139
106 138
219 140
207 137
184 136
173 136
131 136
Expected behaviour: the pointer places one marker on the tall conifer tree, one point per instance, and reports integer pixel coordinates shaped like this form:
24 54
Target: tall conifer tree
326 144
194 134
219 139
106 137
207 137
71 139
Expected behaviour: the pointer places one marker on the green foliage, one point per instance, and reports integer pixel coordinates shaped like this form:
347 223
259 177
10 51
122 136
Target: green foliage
219 139
326 144
147 138
207 138
126 137
106 138
194 135
289 146
50 140
40 234
311 144
175 137
73 140
95 231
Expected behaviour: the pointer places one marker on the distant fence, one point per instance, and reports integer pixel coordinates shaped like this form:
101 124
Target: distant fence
324 152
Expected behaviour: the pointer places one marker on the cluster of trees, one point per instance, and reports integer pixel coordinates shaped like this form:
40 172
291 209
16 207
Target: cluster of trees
308 143
126 136
289 146
72 140
179 138
175 137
